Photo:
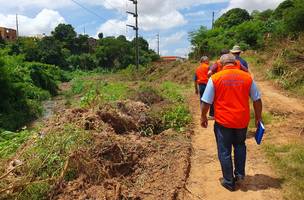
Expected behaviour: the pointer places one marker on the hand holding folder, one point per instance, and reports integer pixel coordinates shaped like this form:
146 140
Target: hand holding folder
259 133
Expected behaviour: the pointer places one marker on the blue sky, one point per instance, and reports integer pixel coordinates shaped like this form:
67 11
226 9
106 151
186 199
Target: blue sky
172 19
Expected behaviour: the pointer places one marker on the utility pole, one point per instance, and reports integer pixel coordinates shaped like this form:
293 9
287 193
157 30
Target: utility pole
84 30
158 41
213 14
17 26
135 15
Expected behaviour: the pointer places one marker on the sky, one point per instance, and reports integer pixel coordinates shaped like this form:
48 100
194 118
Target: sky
171 19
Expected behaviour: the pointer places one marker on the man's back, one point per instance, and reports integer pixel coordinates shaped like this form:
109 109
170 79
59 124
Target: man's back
232 90
202 73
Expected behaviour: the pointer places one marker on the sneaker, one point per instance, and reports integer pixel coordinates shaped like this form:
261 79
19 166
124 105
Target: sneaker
229 187
239 179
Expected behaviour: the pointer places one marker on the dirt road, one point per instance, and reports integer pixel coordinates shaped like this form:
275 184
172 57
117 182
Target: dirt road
261 181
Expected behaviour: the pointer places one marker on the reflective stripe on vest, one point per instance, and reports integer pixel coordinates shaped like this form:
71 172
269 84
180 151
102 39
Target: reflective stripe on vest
232 90
202 73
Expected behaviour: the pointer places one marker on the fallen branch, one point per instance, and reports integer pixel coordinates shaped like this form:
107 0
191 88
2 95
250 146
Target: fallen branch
13 187
118 192
10 171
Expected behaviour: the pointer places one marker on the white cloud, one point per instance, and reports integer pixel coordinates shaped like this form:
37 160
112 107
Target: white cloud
196 14
167 42
113 28
22 5
174 38
164 52
253 4
156 14
183 52
43 22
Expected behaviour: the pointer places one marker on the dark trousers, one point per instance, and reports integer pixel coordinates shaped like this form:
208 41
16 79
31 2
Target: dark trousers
211 112
202 88
225 139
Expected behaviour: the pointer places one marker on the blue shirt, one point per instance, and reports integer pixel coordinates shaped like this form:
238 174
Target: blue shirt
209 93
243 62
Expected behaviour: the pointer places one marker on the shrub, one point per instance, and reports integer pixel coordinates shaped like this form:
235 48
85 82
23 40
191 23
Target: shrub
177 117
44 80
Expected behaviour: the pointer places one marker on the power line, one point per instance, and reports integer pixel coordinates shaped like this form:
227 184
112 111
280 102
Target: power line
88 10
110 5
93 12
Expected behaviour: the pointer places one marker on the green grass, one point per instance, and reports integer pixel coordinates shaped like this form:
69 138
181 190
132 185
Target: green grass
173 92
78 86
10 142
93 89
289 160
114 91
105 92
177 117
266 116
46 159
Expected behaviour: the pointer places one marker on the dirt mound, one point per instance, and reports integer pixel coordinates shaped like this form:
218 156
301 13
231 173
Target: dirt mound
123 117
179 72
148 96
126 167
117 162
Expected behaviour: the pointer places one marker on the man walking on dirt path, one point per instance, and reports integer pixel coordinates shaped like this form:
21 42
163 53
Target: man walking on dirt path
236 51
201 76
230 90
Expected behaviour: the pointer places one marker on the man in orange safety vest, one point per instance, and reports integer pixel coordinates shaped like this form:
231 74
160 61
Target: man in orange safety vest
201 76
229 90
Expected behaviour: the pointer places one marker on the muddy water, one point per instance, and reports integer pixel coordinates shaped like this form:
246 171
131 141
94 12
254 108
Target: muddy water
52 106
48 109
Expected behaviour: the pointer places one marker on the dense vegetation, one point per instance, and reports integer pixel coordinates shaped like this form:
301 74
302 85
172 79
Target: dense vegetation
250 31
31 68
23 85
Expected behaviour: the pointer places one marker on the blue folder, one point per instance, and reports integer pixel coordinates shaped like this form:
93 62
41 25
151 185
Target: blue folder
259 133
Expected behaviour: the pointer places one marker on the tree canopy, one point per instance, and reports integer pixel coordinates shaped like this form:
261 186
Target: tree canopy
236 26
232 18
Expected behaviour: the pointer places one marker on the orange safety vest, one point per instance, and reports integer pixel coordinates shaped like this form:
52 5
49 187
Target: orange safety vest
202 74
219 65
231 102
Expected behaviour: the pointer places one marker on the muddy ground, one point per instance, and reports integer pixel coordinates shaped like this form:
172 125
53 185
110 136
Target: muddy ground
121 163
123 160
